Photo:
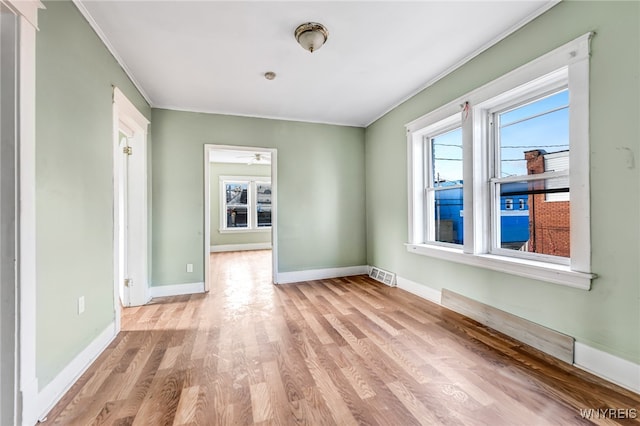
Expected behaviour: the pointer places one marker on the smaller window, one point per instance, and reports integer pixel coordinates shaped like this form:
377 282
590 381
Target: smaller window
508 204
245 204
444 186
263 204
521 204
236 204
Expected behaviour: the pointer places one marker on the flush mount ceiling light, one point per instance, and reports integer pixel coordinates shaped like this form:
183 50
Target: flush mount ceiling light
311 35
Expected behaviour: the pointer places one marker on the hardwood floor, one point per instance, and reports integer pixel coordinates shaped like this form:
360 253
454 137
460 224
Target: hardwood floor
329 352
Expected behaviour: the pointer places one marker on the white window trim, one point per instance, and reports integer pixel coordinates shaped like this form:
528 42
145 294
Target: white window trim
422 149
440 120
572 60
543 271
251 204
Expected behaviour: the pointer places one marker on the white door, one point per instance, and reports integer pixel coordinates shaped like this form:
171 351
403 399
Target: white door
122 177
130 205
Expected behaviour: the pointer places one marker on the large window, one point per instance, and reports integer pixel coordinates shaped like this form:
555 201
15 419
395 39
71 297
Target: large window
499 178
531 150
245 204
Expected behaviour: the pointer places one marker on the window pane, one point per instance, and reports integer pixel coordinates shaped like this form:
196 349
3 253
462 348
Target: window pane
264 216
236 193
263 204
448 216
445 177
541 225
236 217
531 132
446 157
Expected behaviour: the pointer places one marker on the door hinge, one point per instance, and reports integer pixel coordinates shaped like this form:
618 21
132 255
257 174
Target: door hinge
128 282
127 150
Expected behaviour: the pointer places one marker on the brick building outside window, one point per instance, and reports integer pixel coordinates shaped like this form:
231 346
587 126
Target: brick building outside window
549 205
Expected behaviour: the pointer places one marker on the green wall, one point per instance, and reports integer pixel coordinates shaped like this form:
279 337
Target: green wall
608 316
226 169
74 189
321 217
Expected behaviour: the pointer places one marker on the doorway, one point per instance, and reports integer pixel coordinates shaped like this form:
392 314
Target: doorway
240 202
130 205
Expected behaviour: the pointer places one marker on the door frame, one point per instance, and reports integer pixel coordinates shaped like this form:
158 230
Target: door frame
207 206
25 397
127 118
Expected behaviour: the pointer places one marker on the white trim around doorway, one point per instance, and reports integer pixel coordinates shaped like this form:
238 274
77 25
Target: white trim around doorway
25 395
127 117
208 148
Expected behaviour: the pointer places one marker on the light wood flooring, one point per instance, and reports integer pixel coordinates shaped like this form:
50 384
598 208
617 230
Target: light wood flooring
330 352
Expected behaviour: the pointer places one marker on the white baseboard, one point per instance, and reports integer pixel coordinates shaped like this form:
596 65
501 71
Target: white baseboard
239 247
423 291
176 289
320 274
51 394
610 367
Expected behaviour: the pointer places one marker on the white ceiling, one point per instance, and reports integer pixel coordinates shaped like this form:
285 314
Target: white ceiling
211 56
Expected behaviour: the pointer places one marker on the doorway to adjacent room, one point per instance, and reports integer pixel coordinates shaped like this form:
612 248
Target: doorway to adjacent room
240 203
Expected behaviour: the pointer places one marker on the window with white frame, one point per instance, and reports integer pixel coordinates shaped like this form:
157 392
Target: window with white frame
245 204
443 182
524 135
520 140
263 204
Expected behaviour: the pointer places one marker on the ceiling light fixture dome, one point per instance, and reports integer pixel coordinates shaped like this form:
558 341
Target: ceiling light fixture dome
311 35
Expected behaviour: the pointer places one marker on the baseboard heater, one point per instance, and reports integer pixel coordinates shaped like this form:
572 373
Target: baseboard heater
552 342
385 277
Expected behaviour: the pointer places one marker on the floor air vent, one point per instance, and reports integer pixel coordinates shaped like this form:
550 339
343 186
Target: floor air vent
383 276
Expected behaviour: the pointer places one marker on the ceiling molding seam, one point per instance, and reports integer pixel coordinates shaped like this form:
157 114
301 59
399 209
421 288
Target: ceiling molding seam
102 36
264 117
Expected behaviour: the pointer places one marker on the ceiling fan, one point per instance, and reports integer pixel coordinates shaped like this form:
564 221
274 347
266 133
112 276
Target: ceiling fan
258 158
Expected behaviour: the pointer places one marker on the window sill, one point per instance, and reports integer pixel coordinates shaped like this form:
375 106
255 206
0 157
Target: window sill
548 272
244 230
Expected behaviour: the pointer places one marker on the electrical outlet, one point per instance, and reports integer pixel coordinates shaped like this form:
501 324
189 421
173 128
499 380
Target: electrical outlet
80 305
189 267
